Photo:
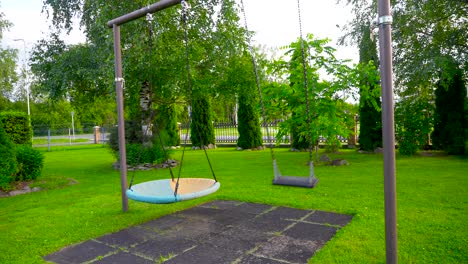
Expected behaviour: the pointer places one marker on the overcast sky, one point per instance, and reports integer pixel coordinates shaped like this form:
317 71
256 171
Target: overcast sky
274 21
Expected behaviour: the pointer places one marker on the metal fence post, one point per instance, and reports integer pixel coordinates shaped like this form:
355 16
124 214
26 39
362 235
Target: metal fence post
48 140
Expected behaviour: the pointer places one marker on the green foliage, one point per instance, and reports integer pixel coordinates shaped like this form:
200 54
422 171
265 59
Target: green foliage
16 125
449 120
77 72
287 97
133 135
8 75
299 139
241 80
137 152
424 33
250 135
201 128
466 124
167 124
8 163
97 110
4 24
370 117
51 113
224 107
414 123
213 31
30 163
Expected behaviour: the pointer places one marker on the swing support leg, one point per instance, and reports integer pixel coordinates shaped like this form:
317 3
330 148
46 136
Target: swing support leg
388 130
119 82
121 129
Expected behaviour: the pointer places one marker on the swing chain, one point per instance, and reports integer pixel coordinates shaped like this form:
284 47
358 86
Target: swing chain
185 9
257 80
306 81
149 18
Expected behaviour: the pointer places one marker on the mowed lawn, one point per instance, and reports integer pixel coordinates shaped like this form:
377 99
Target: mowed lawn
431 192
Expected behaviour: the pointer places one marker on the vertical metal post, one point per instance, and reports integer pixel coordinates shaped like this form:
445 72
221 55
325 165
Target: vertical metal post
73 124
388 130
48 140
120 111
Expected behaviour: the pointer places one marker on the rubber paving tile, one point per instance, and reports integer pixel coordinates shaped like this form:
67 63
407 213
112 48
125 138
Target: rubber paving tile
215 232
80 253
329 218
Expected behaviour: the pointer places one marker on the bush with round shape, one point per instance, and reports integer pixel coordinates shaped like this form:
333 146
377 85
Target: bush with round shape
151 152
30 163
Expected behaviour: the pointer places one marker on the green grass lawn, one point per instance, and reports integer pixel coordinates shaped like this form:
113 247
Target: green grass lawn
431 192
43 141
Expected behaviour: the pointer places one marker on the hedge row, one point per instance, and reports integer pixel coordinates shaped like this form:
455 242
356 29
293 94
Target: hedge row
17 162
17 126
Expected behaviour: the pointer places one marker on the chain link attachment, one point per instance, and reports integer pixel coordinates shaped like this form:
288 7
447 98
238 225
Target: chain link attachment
385 20
185 9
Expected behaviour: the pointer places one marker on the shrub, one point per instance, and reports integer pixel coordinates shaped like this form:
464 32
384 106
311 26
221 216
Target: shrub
370 116
167 124
250 135
298 137
408 147
201 128
17 126
150 152
133 135
449 127
8 164
133 150
138 154
30 163
414 123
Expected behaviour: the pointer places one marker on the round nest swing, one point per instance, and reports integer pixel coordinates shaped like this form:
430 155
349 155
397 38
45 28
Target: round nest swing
164 191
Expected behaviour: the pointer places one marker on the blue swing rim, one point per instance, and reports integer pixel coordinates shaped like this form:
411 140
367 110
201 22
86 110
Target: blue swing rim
169 198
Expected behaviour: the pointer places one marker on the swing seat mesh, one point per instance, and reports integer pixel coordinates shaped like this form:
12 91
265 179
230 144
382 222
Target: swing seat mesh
162 191
299 181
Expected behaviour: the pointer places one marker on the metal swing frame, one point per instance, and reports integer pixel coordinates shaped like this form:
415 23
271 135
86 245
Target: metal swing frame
386 67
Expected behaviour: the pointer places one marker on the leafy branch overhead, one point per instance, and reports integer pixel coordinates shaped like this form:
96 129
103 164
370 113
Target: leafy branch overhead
329 79
8 75
213 33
